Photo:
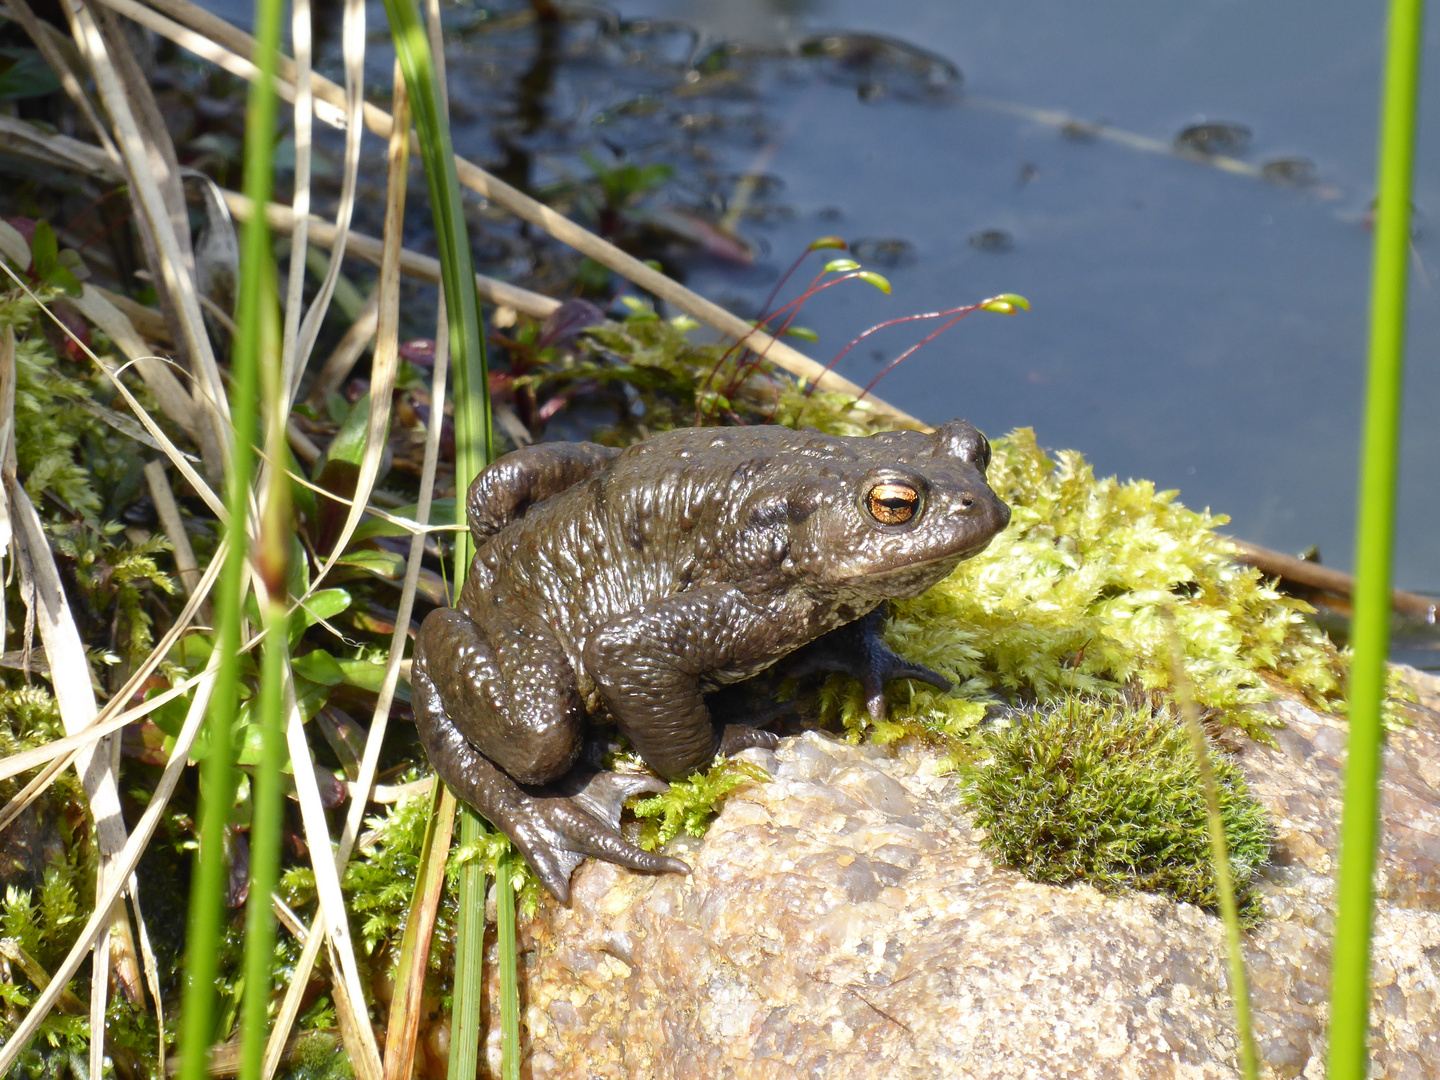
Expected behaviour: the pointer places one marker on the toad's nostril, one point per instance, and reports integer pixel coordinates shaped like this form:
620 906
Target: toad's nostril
967 502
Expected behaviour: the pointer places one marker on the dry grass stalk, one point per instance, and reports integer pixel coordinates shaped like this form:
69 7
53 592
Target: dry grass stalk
294 994
206 49
10 949
358 1037
346 354
164 164
47 40
31 791
348 994
152 975
385 362
173 399
59 150
352 41
7 452
147 321
97 765
168 511
282 219
13 245
173 260
300 200
403 1028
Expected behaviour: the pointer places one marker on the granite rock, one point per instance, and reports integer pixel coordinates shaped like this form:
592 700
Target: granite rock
842 921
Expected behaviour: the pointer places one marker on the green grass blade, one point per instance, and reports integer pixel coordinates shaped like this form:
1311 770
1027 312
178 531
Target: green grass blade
266 825
207 897
473 441
474 448
1219 856
509 966
465 1034
277 526
1370 628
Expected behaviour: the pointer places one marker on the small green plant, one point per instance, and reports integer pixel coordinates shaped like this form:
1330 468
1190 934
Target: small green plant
61 445
51 265
691 804
1110 793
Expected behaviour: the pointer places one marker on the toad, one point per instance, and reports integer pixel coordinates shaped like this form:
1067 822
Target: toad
624 586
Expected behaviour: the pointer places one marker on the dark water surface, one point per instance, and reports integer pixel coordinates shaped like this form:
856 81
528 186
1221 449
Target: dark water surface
1199 327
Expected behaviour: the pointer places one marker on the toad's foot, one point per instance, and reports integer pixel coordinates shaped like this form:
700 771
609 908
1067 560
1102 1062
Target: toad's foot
564 823
555 826
858 649
737 737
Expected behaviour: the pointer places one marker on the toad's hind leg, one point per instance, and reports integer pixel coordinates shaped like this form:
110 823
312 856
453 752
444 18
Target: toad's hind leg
476 731
505 688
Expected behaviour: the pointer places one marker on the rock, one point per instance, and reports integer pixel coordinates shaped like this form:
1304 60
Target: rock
842 921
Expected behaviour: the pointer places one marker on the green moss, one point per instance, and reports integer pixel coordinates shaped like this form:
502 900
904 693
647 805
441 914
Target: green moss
319 1055
691 804
1111 794
60 445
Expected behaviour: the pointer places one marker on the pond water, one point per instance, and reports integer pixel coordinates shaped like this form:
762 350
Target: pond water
1199 326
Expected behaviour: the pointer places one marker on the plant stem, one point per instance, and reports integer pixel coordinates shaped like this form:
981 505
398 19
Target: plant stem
509 966
267 786
413 961
207 898
474 443
1370 628
1219 856
465 1036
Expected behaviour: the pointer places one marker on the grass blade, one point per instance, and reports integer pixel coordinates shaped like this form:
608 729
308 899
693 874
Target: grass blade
509 965
473 441
404 1025
469 954
1219 856
207 898
267 816
1370 629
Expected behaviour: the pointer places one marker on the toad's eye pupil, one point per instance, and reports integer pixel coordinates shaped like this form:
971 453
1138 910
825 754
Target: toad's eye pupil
893 503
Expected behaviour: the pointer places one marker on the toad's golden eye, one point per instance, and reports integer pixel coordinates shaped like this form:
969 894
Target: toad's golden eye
892 502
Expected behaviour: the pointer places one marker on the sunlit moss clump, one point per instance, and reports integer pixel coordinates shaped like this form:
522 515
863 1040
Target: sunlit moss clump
1087 592
690 804
1111 794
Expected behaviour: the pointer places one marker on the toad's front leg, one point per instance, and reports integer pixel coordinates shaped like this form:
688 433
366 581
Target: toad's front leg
650 663
499 715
